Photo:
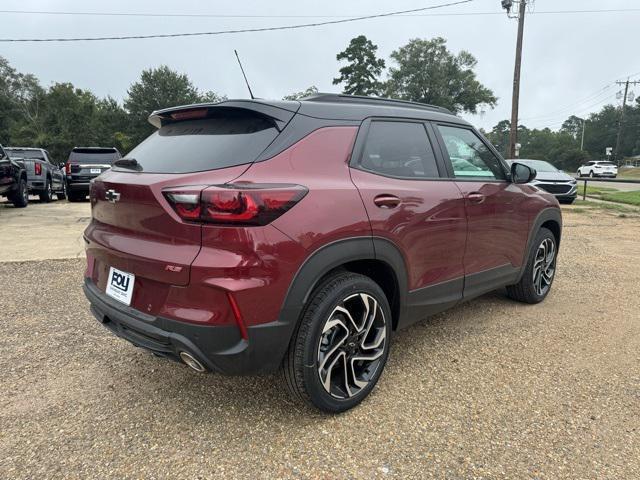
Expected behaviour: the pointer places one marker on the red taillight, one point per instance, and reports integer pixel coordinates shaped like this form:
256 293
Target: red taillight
235 204
38 168
67 168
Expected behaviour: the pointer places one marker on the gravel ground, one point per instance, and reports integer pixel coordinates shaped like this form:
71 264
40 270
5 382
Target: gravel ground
490 389
43 230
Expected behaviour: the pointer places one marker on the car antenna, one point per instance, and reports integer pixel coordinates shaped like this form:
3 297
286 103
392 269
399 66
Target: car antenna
244 75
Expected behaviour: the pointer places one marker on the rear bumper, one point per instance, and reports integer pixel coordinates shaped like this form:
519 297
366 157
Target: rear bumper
219 348
35 185
78 186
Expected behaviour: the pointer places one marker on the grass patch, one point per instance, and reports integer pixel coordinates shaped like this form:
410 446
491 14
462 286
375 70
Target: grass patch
629 172
603 206
591 190
630 198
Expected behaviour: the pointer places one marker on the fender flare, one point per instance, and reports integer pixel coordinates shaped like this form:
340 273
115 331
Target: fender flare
548 214
327 258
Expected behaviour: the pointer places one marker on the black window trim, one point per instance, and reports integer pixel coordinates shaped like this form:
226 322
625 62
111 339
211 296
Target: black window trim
363 132
449 166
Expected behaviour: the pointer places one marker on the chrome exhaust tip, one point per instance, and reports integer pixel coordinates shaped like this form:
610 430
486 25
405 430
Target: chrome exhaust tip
191 362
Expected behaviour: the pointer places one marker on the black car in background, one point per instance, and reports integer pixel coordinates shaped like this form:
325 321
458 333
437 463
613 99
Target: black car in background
85 164
13 180
552 180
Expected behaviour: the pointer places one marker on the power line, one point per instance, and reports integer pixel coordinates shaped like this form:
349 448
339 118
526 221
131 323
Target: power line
570 107
215 15
246 30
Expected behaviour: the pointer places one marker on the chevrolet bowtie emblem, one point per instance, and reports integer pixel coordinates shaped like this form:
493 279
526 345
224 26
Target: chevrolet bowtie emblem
112 196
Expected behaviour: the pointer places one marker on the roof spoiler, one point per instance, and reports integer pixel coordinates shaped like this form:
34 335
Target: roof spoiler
281 112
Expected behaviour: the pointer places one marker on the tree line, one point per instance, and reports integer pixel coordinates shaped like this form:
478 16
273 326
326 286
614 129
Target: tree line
62 116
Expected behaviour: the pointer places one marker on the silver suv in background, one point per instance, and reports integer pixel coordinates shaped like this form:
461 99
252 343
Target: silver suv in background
85 164
550 179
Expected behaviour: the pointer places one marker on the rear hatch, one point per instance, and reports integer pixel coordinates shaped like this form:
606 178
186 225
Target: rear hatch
134 227
87 163
606 167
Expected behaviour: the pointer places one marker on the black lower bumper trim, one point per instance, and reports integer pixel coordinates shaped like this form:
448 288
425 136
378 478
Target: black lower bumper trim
219 348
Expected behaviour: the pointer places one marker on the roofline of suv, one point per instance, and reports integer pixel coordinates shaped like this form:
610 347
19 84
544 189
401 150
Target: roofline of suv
364 100
322 106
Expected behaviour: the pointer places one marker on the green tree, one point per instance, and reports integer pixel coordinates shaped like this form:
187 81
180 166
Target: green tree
573 126
111 124
20 99
159 88
66 119
298 95
428 72
361 75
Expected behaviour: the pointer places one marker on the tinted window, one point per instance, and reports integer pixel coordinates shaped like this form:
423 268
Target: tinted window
97 156
399 149
206 144
36 154
469 156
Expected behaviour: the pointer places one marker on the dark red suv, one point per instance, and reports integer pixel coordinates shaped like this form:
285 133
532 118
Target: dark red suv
249 236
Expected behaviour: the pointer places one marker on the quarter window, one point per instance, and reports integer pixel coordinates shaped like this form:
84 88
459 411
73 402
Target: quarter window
470 157
399 149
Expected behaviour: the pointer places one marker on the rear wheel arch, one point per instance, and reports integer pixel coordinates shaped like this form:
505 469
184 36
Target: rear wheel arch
377 258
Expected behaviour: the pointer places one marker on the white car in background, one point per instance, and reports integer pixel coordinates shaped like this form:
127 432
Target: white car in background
598 168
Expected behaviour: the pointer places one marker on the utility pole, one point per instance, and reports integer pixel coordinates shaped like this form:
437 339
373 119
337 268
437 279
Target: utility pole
515 100
584 121
621 122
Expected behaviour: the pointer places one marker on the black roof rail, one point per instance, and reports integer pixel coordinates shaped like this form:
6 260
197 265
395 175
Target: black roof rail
360 99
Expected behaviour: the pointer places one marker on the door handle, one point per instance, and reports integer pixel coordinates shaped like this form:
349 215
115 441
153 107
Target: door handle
386 201
476 197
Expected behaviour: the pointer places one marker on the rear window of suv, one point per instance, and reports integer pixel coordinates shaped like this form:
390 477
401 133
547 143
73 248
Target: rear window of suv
226 140
96 156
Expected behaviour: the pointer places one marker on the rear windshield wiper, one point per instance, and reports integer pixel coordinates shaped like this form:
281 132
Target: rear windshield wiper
128 163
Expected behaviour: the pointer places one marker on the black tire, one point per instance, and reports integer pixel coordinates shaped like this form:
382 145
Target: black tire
526 290
304 383
20 198
63 194
591 174
46 195
75 197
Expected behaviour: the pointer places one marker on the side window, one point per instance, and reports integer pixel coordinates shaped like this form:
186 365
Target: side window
399 149
470 157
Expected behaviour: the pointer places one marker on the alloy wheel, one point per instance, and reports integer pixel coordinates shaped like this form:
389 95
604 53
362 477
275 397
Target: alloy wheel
352 345
544 266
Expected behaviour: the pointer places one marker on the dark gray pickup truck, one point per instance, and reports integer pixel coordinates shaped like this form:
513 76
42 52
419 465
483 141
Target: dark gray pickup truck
44 178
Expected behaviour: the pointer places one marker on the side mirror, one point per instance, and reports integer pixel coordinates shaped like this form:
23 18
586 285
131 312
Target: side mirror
521 173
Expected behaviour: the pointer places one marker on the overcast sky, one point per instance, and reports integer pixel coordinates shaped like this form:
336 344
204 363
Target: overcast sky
568 61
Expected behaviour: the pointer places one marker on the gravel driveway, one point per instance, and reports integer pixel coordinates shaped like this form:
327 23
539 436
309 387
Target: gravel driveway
490 389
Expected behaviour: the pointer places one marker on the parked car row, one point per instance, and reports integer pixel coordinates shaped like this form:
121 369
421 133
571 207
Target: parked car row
27 170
